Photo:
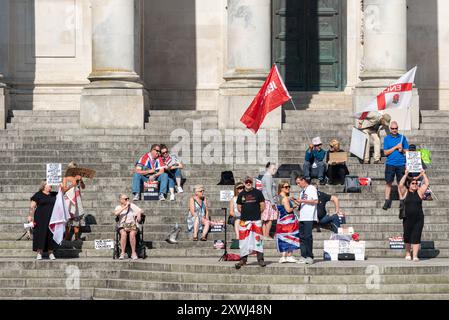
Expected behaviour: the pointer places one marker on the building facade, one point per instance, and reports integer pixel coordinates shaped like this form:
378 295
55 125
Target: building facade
110 58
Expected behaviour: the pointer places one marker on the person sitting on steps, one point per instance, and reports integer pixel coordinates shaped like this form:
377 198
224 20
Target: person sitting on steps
314 159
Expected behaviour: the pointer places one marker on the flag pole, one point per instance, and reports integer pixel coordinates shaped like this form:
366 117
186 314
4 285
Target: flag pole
300 120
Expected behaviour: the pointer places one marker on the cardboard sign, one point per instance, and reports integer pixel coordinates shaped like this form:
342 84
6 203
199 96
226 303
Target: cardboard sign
337 157
358 143
413 161
104 244
83 172
226 195
54 174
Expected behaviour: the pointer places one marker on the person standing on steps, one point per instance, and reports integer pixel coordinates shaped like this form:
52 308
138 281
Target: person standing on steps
71 186
251 203
269 192
395 146
371 125
41 208
413 222
233 209
149 168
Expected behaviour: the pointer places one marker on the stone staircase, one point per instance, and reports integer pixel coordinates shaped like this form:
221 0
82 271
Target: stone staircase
34 138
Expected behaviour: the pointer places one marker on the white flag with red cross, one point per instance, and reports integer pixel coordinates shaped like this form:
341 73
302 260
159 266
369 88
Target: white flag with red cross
396 96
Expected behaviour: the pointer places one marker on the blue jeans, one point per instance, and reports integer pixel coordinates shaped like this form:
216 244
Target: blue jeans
138 179
172 175
310 172
333 220
305 234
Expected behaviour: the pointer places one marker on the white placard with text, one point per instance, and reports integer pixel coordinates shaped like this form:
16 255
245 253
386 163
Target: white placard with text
413 160
54 174
226 195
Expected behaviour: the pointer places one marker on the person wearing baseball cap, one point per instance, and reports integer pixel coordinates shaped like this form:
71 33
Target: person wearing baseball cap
250 204
314 160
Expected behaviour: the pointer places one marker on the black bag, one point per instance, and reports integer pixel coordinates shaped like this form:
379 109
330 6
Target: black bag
352 184
346 256
231 220
227 178
287 171
427 245
401 209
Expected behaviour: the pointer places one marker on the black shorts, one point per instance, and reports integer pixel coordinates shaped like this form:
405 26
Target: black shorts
391 171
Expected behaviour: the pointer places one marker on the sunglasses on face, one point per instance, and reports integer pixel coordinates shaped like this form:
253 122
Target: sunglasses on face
411 183
200 191
394 128
158 151
286 187
240 188
125 198
248 182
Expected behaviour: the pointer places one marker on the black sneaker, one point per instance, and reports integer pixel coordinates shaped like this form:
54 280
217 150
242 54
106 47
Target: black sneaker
262 263
387 204
240 264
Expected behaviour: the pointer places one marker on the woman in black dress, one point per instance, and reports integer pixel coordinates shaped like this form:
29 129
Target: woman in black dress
413 222
41 208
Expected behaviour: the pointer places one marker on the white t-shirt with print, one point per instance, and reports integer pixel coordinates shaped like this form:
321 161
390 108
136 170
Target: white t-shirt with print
308 212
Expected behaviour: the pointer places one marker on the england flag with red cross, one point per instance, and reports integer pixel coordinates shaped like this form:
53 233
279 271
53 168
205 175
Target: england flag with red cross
396 96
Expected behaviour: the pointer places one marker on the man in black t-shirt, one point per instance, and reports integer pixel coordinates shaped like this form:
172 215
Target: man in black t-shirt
333 220
251 204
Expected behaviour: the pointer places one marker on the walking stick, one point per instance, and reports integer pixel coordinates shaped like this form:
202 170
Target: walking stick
225 253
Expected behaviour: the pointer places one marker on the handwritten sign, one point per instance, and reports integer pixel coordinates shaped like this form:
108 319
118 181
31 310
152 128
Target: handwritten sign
104 244
54 174
413 160
226 195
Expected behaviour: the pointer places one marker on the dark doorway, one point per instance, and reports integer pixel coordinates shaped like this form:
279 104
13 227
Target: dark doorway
307 39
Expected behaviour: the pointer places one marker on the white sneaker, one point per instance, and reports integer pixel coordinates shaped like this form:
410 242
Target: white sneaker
136 197
301 260
309 260
179 190
172 197
39 256
291 259
161 197
282 260
51 256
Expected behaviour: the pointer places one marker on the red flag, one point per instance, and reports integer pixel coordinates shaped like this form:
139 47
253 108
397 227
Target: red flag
272 94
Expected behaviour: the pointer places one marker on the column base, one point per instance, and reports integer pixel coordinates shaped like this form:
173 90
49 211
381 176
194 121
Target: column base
113 105
367 90
235 98
3 106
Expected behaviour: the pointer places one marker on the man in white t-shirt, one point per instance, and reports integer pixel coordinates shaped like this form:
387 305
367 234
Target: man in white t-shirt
308 201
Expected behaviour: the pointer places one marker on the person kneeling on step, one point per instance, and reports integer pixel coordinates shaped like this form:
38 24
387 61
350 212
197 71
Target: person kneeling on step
251 204
129 216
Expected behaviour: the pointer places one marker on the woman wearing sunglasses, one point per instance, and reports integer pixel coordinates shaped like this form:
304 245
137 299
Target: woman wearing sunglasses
233 209
413 221
287 227
198 217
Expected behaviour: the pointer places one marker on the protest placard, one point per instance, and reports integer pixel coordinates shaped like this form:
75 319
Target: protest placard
104 244
54 174
413 161
226 195
358 143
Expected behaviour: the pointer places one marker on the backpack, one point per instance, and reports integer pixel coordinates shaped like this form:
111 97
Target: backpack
352 184
426 156
227 178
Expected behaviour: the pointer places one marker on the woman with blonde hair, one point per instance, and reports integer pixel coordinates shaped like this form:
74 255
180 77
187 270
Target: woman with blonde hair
233 209
336 172
41 208
198 217
71 186
287 227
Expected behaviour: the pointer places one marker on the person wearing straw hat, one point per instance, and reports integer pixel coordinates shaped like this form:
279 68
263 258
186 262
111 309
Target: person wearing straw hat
314 159
371 125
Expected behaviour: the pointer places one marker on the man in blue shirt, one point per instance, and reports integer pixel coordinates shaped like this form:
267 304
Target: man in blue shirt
314 159
395 146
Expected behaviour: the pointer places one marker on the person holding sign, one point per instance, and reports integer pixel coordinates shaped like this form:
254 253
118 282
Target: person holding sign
71 186
371 125
336 163
129 215
413 222
395 146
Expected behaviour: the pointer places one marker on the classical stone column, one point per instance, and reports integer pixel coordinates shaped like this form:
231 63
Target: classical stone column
3 104
115 96
385 56
248 60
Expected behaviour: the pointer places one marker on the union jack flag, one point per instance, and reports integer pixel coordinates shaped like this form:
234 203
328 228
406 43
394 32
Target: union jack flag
287 231
148 162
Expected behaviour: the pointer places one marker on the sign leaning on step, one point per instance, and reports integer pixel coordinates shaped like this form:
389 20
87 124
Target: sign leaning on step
226 195
358 143
413 161
54 174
